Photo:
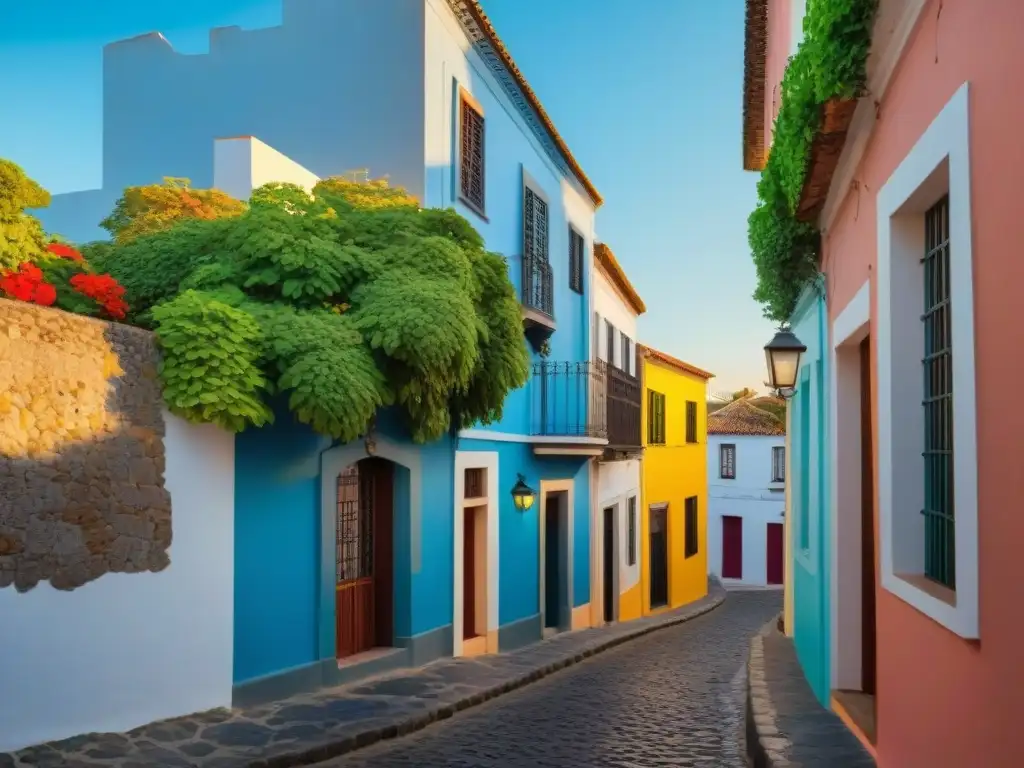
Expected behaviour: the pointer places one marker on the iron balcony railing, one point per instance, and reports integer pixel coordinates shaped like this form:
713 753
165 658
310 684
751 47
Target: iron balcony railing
623 404
567 399
538 285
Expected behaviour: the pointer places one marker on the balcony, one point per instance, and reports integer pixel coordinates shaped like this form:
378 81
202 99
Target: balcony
538 299
568 409
623 401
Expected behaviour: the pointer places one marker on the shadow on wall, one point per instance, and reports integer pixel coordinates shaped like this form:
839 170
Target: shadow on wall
81 450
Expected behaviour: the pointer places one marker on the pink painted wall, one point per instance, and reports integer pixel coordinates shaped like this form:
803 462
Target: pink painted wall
942 701
775 61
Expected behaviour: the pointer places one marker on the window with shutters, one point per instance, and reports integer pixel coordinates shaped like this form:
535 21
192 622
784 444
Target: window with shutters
610 344
471 153
538 284
691 421
655 418
627 352
577 246
631 531
779 464
727 461
692 545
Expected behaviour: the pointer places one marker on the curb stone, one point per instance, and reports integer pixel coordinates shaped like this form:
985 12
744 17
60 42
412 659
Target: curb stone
325 724
715 597
766 746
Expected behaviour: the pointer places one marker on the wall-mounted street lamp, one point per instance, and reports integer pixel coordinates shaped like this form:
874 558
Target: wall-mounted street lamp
783 356
523 495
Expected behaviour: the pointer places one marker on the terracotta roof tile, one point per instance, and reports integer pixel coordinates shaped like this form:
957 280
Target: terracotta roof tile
674 362
755 54
606 259
742 417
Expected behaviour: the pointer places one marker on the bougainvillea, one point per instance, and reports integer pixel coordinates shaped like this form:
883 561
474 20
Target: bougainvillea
26 283
65 251
104 290
345 301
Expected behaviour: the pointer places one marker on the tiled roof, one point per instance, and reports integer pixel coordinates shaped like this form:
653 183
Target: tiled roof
604 256
470 10
674 362
755 55
742 417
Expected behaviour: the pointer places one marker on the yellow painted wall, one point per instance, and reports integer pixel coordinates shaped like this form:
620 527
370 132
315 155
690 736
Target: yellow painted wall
670 473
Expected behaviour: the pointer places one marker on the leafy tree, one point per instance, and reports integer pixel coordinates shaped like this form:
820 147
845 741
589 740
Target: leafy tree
21 234
155 207
346 300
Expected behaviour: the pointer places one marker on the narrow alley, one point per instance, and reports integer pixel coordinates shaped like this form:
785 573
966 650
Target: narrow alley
673 697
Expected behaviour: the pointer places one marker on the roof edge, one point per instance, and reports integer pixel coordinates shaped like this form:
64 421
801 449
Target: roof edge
605 257
682 366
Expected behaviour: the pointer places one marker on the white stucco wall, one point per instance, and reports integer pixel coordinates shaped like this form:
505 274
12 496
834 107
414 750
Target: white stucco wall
617 481
751 496
128 649
610 307
245 163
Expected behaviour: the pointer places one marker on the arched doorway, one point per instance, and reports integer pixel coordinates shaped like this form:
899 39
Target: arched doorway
364 557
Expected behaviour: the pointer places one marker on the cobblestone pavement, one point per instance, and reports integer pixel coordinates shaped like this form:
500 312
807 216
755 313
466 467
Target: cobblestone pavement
671 698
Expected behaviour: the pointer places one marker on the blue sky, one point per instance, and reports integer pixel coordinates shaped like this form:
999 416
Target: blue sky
647 95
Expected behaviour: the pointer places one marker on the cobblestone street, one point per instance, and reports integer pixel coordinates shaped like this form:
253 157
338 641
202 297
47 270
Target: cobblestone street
673 697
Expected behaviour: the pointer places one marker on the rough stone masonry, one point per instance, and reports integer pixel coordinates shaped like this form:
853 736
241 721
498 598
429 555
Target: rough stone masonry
81 450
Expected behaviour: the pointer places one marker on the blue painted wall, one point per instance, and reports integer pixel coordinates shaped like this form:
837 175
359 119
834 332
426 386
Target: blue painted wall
277 545
810 496
519 532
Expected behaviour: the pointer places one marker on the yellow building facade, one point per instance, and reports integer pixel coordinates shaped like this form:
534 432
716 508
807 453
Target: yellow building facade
674 483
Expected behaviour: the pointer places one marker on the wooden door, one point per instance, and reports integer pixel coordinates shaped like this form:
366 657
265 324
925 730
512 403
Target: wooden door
867 531
732 547
364 558
659 556
469 573
609 564
774 554
552 563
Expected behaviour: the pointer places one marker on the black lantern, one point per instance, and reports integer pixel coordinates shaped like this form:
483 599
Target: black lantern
523 495
783 356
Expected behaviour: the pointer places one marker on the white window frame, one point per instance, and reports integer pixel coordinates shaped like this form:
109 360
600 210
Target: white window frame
775 449
939 163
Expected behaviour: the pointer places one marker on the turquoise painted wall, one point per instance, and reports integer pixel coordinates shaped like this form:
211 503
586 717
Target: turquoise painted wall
278 571
519 534
810 495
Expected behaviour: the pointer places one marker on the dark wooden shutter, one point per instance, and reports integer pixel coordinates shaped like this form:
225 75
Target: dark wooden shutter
692 545
626 345
631 531
691 421
471 166
576 247
611 342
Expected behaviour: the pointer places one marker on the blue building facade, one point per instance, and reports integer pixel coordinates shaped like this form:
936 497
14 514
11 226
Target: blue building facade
809 415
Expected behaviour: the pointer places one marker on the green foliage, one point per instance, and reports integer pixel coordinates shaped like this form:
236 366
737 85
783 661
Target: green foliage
831 63
346 300
157 207
21 234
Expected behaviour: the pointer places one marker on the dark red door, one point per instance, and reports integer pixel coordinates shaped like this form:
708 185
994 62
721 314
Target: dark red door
732 547
469 573
774 571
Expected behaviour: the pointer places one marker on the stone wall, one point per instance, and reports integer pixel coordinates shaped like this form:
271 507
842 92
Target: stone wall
81 450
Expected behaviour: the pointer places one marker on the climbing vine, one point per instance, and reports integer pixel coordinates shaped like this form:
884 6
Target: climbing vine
345 300
830 64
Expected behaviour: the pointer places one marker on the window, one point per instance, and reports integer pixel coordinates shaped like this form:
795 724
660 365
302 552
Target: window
691 421
804 395
535 226
576 249
938 401
692 545
627 346
655 418
779 464
927 463
471 153
538 280
631 531
474 483
610 346
727 461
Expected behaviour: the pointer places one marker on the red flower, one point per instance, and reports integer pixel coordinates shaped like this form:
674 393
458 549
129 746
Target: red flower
65 251
27 284
104 290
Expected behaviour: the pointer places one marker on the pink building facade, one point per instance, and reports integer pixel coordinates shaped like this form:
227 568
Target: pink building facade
923 286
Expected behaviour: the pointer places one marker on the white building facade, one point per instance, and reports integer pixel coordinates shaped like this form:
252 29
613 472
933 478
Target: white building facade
746 495
616 476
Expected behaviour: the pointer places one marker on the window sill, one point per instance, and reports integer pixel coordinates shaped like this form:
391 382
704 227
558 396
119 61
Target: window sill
476 211
939 603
